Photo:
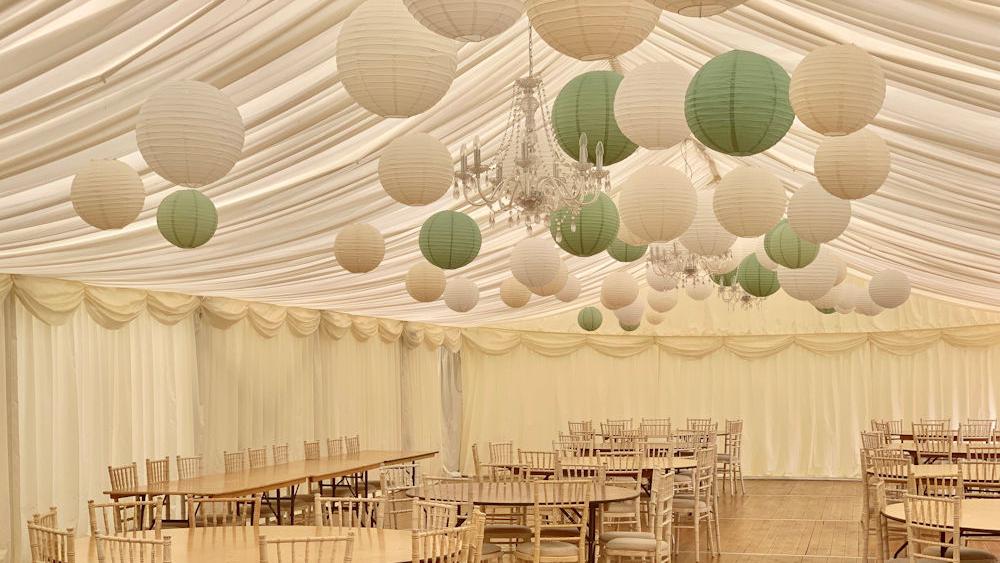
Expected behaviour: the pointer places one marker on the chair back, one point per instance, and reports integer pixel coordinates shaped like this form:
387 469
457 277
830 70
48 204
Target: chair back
48 519
893 468
397 477
352 444
123 477
158 470
433 515
615 427
569 445
118 549
49 545
662 512
935 484
279 454
478 522
320 549
873 440
223 512
933 448
567 469
702 425
536 460
445 545
334 447
734 438
349 512
986 451
977 430
655 428
189 467
581 427
944 423
235 462
981 478
257 457
311 449
501 452
124 518
928 521
559 512
895 427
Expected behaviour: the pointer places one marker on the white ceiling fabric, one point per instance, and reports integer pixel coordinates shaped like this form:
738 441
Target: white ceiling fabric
76 72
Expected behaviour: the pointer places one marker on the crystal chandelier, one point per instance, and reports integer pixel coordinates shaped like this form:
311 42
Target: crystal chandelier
529 177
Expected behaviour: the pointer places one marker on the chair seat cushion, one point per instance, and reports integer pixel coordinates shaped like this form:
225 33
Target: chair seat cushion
964 553
608 536
490 549
549 549
688 505
621 507
634 544
724 457
681 477
507 531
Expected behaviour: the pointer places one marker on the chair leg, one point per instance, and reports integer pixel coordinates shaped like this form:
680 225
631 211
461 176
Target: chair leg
739 468
697 538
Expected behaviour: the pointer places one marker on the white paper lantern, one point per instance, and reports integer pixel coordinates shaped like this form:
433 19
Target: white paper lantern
649 105
654 318
865 305
841 266
661 301
514 293
461 295
554 286
749 201
631 314
657 203
627 237
618 290
466 20
535 262
700 291
829 299
697 8
837 89
852 166
705 236
889 288
812 281
817 216
592 30
762 256
658 282
847 299
359 248
571 289
107 194
415 169
189 133
425 282
744 247
390 64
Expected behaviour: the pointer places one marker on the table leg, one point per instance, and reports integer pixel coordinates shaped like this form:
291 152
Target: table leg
293 491
592 533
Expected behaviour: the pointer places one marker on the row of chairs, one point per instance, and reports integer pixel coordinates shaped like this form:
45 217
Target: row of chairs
972 430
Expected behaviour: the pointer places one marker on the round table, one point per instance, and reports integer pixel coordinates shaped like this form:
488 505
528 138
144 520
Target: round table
978 514
648 466
239 545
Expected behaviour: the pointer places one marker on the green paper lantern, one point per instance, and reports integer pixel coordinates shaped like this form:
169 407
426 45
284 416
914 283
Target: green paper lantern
738 103
826 311
590 232
727 280
756 279
187 218
586 106
450 240
627 327
589 318
624 252
787 248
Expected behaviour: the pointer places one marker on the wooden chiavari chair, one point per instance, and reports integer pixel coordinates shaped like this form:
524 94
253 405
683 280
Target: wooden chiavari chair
394 481
574 446
477 463
310 449
349 512
874 440
158 473
980 477
223 512
886 531
554 536
655 429
536 462
235 462
49 545
352 444
944 423
117 549
989 451
123 478
257 457
699 504
569 470
501 452
320 549
933 442
433 515
124 518
479 550
982 430
702 425
657 543
627 440
48 519
445 545
892 467
936 485
614 427
895 428
279 454
625 423
731 460
581 428
930 521
334 447
437 488
188 467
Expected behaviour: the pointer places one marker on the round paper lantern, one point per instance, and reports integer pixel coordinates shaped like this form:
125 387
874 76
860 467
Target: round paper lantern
571 289
725 279
699 291
589 318
812 281
817 216
107 194
626 236
743 247
827 310
847 298
450 240
535 262
705 236
654 318
629 327
829 299
514 293
787 249
461 294
187 218
724 266
592 30
415 169
466 20
425 282
657 203
631 314
626 252
837 89
889 288
852 166
749 201
391 65
737 103
658 282
189 133
865 305
762 258
618 290
841 266
359 248
756 279
554 286
697 8
649 105
661 301
590 232
585 106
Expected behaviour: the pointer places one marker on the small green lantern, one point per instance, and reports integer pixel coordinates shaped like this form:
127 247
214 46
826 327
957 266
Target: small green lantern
590 232
756 279
826 311
628 327
589 318
586 106
726 280
450 240
187 218
624 252
787 248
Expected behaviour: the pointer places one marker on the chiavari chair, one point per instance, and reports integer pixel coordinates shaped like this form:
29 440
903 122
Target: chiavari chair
319 549
944 484
981 430
223 512
892 467
445 545
536 461
702 425
352 444
124 518
581 428
188 467
235 462
279 454
349 512
614 428
980 477
48 519
433 515
655 428
257 457
989 451
556 537
886 531
437 488
731 460
933 442
480 550
657 543
334 447
874 440
118 549
123 478
895 428
569 445
692 507
930 520
310 449
567 469
394 481
501 452
49 545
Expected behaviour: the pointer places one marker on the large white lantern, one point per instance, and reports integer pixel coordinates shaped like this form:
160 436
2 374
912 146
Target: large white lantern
466 20
649 105
697 8
189 133
627 237
837 89
705 236
535 262
425 282
661 301
461 295
852 166
654 318
107 194
571 289
700 291
390 64
514 293
749 201
554 286
631 314
829 299
865 305
618 290
658 282
817 216
592 30
889 288
812 281
762 256
359 248
415 169
657 203
847 299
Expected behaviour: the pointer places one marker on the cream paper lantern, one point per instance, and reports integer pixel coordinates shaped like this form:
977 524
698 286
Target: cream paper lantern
592 30
425 282
700 291
618 290
571 289
762 256
829 299
847 299
658 282
697 8
466 20
514 293
535 262
415 169
812 281
837 89
391 65
461 294
359 248
749 201
649 105
631 314
627 237
852 166
889 288
107 194
657 203
661 301
190 133
705 236
817 216
865 305
744 247
554 286
654 318
841 265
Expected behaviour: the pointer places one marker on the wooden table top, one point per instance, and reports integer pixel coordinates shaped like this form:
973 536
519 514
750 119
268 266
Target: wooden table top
507 493
274 477
239 545
649 463
978 514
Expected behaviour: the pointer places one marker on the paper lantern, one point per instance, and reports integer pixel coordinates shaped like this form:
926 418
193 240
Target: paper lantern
841 266
585 106
554 286
657 203
626 236
461 294
787 249
571 289
631 314
626 252
699 291
829 299
705 236
592 30
654 318
827 311
514 293
466 20
187 218
661 301
889 288
762 258
749 201
425 282
189 133
697 8
649 105
865 305
756 279
588 233
618 290
107 194
724 266
837 89
725 279
589 318
812 281
737 103
852 166
817 216
415 169
629 327
450 240
535 262
391 65
359 248
847 299
743 247
658 282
